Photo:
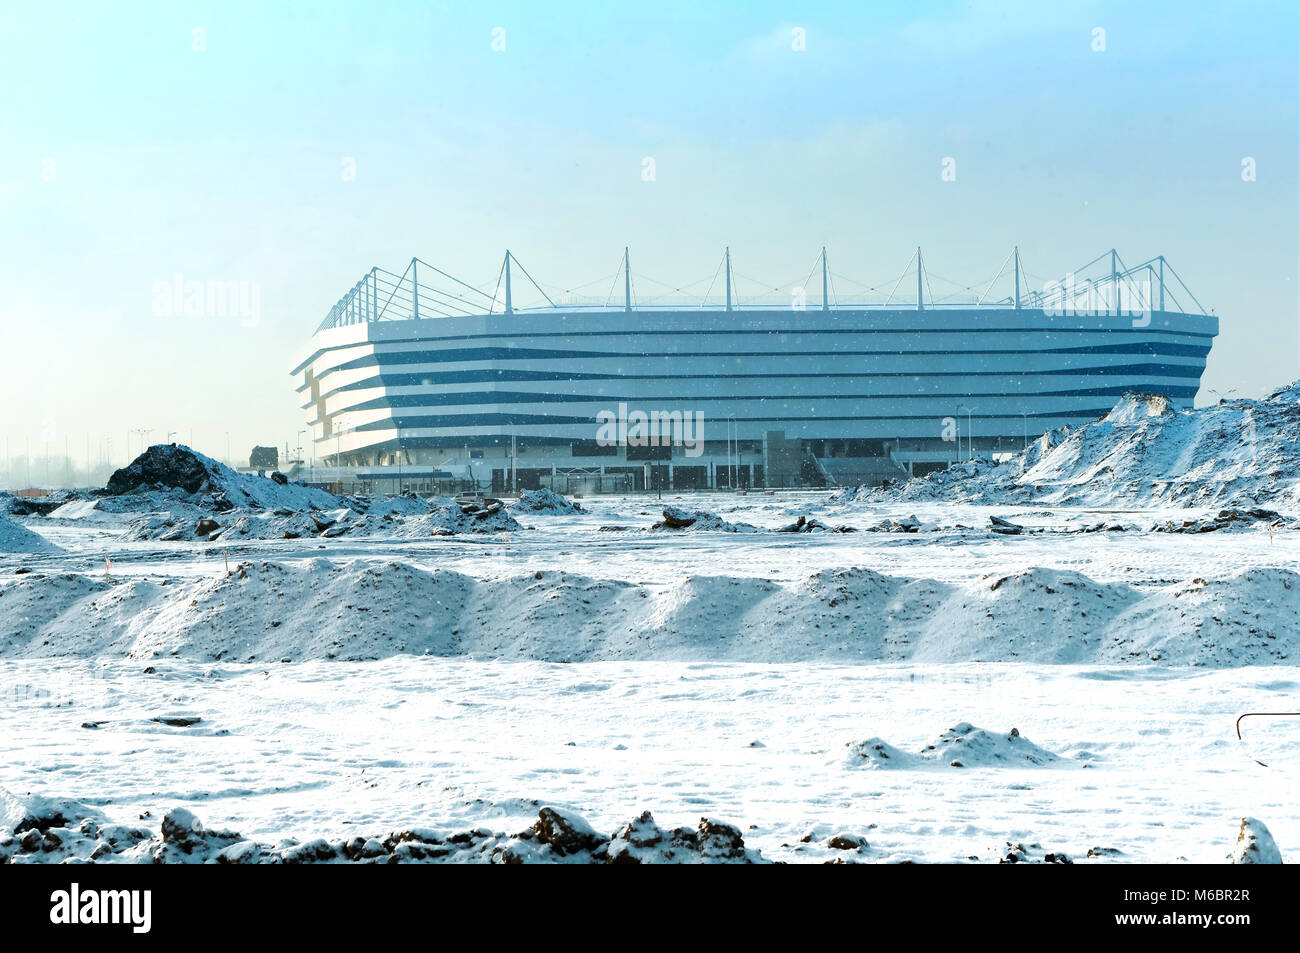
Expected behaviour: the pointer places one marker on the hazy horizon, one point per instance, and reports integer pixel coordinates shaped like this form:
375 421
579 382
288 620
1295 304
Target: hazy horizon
282 151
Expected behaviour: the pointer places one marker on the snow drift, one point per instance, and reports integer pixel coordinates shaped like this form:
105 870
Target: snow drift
16 538
1143 453
368 609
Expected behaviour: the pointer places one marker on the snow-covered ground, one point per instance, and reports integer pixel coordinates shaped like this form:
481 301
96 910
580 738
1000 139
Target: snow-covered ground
740 691
326 667
1149 764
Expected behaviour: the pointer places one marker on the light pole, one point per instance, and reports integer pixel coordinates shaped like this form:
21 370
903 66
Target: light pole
1025 415
731 473
339 429
969 447
338 453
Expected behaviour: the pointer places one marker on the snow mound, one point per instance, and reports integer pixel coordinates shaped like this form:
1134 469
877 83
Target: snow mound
1244 619
1286 392
17 538
38 813
878 753
1144 452
367 608
962 746
1255 845
1042 615
1138 408
965 746
544 501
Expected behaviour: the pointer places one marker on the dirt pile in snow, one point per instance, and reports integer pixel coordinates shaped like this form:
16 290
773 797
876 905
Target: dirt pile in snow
675 518
11 505
962 746
441 516
397 518
1240 453
17 538
1226 519
172 494
37 830
1018 852
544 501
208 482
166 465
367 609
805 525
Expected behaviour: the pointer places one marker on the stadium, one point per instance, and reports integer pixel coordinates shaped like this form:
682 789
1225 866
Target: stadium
426 381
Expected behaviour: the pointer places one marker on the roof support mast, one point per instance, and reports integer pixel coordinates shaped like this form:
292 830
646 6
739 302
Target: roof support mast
627 280
825 303
1114 278
1016 253
510 309
728 267
920 305
415 292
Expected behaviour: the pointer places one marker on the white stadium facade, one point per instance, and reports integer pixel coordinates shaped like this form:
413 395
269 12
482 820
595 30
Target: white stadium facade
425 380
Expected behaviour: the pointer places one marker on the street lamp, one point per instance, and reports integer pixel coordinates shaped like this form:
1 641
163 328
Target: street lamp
339 430
338 435
731 473
970 447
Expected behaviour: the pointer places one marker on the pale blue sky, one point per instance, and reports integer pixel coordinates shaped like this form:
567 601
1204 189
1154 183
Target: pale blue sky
225 165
